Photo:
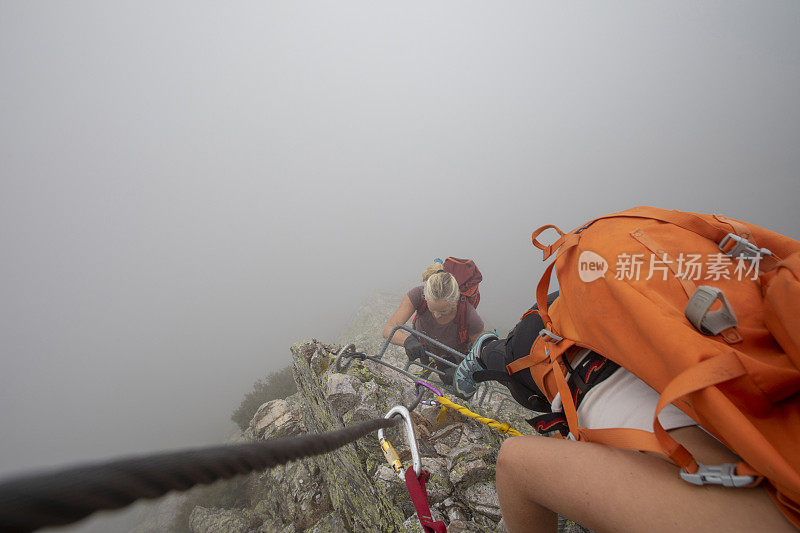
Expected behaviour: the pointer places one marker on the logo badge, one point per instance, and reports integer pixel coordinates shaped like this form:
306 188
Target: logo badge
591 266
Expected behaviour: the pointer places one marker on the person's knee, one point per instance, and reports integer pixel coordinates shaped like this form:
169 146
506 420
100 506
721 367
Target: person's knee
530 454
505 467
511 453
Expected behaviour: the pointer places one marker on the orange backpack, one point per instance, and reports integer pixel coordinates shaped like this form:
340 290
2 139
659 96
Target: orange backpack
733 367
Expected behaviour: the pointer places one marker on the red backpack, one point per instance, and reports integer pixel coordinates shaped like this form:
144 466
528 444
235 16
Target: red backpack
468 277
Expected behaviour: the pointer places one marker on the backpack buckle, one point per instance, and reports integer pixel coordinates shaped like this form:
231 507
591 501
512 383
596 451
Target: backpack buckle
549 336
742 248
706 321
724 474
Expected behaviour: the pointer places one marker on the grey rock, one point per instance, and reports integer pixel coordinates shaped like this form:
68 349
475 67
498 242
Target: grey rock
214 520
321 358
269 527
442 449
448 436
294 493
386 377
463 526
566 525
455 513
471 464
306 350
482 498
369 394
331 523
394 488
428 417
276 527
341 393
277 418
412 525
384 474
161 515
353 489
438 485
469 471
361 503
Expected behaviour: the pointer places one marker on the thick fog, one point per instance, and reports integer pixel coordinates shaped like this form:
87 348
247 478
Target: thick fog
189 188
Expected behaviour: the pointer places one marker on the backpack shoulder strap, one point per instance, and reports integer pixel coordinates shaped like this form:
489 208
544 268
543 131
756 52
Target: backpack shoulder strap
418 311
462 323
421 309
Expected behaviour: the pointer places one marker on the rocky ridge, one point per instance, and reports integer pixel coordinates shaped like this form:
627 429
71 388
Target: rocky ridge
353 489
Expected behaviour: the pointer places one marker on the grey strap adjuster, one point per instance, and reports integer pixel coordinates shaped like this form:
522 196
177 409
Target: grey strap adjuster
699 314
549 336
724 474
742 249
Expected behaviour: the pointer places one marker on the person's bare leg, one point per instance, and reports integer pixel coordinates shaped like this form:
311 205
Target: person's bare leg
520 511
607 489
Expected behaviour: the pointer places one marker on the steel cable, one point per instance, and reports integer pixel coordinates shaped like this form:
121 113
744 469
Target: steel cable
68 495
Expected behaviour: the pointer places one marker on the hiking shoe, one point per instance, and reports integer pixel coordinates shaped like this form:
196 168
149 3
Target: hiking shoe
463 383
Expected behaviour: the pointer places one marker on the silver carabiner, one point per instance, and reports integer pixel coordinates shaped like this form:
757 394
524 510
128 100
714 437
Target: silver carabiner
388 450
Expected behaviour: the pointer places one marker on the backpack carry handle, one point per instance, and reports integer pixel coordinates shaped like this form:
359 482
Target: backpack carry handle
547 251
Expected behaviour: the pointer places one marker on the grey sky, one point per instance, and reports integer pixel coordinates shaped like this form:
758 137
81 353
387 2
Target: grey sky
188 188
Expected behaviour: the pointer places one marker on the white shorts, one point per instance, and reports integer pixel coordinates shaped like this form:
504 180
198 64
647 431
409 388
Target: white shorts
624 401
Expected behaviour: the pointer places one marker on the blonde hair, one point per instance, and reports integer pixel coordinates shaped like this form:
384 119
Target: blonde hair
441 285
430 270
